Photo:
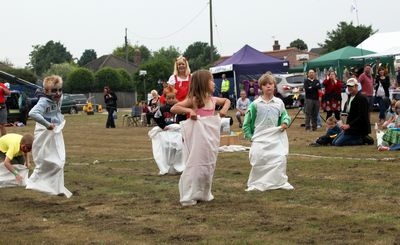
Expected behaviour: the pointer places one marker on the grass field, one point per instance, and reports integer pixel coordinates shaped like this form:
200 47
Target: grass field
343 195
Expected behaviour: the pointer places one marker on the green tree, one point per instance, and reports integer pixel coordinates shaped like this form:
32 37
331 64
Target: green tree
42 57
107 77
145 53
346 35
299 44
63 70
80 80
126 81
169 54
158 68
87 56
198 55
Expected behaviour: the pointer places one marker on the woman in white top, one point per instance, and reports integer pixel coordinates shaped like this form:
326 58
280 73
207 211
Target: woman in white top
181 78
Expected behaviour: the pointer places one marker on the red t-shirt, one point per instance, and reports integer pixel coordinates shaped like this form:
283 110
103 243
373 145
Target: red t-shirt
2 98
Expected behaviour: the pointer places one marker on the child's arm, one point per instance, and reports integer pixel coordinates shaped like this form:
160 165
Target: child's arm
226 104
184 107
7 164
37 112
249 121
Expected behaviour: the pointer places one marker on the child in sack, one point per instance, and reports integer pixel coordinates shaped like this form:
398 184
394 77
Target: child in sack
332 130
48 150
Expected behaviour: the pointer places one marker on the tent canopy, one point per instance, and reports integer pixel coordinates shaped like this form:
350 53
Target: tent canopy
381 41
245 64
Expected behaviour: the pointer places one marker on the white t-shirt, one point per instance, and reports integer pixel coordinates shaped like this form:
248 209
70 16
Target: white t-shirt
172 81
242 104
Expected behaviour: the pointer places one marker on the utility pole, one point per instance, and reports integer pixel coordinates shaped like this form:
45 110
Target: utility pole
126 45
211 35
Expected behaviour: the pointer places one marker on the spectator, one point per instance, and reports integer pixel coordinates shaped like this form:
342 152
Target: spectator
357 127
152 106
251 88
312 86
332 130
332 98
382 84
3 108
241 106
366 81
180 79
225 87
110 99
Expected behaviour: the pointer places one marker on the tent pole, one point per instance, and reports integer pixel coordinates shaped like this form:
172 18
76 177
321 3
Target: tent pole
235 88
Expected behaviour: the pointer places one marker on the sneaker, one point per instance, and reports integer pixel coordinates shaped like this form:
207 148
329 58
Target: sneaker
315 144
367 140
383 148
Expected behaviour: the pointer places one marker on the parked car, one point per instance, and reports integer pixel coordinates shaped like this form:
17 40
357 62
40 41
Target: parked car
18 106
290 88
80 100
68 105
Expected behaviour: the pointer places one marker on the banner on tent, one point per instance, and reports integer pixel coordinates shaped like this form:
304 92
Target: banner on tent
219 69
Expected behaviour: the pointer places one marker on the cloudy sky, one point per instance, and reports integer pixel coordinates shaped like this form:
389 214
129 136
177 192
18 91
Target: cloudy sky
100 24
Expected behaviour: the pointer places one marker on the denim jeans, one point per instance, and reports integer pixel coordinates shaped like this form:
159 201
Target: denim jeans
346 139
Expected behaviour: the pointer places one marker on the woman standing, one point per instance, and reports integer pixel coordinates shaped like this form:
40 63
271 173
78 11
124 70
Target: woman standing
382 84
181 78
110 99
332 99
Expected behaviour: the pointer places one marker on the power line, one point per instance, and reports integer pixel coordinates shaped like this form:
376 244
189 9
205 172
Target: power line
175 32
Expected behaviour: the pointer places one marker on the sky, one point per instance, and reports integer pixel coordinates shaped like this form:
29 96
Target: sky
101 24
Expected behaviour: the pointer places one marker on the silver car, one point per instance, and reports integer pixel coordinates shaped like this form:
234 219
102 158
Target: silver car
290 89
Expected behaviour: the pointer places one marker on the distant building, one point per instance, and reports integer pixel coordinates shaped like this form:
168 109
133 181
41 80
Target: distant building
111 61
295 56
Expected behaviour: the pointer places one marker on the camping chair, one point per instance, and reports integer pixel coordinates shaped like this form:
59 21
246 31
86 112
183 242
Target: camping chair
134 118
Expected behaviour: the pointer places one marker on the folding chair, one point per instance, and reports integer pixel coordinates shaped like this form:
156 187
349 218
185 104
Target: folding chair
134 118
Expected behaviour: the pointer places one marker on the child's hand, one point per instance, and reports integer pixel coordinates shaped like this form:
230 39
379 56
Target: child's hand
222 113
51 126
193 115
284 126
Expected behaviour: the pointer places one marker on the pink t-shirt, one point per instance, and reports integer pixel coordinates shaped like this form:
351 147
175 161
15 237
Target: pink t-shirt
205 112
366 85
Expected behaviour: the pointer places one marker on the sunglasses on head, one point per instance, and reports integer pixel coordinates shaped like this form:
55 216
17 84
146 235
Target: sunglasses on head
55 90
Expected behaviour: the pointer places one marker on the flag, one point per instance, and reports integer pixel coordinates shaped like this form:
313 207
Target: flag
353 7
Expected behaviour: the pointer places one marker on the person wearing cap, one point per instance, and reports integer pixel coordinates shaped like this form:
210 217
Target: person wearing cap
357 128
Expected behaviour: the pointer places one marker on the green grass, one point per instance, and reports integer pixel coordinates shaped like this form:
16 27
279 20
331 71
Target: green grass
342 195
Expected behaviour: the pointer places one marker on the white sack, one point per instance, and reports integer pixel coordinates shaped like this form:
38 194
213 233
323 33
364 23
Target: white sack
167 149
268 154
7 179
379 135
200 149
48 152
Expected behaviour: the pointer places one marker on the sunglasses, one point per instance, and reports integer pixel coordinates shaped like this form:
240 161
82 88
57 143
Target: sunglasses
350 86
55 90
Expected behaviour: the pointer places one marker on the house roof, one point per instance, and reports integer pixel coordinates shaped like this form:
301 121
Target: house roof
111 61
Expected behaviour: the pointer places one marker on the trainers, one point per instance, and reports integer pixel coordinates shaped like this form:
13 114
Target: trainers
367 140
383 148
315 144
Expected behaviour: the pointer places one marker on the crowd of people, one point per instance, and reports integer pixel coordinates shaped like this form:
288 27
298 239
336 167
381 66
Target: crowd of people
186 115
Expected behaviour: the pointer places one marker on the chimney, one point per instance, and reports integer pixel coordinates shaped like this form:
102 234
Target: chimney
276 45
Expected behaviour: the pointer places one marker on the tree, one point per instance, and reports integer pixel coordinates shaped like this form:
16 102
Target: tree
24 74
145 53
107 77
87 56
81 80
198 55
346 35
126 80
42 57
63 70
299 44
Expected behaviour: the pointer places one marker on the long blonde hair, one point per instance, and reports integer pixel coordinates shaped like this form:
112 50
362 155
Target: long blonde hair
181 58
199 87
